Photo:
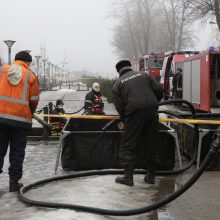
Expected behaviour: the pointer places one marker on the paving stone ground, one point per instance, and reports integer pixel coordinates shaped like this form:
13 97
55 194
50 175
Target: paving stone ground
201 202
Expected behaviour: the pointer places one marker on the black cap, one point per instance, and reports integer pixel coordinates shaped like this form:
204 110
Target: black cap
121 64
59 102
23 56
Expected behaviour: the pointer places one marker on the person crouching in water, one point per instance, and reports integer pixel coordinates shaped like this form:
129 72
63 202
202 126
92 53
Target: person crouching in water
93 101
58 122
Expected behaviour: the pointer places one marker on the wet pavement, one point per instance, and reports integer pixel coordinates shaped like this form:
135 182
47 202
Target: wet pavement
200 202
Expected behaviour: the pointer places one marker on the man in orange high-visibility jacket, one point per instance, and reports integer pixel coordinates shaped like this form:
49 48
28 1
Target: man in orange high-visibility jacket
19 96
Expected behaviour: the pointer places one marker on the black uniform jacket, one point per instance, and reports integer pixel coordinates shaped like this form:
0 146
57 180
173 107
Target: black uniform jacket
134 91
57 111
90 100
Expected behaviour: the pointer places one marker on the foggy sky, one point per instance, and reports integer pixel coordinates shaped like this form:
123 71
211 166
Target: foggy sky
77 28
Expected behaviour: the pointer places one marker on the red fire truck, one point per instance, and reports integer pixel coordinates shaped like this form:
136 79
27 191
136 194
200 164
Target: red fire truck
201 81
150 63
172 61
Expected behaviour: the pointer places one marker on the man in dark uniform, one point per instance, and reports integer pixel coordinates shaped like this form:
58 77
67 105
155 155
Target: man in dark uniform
136 97
177 84
93 101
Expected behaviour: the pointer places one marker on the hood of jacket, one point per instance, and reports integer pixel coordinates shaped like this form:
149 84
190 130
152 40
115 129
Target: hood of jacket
14 74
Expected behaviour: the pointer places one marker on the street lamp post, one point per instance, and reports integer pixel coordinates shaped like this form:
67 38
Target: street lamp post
9 43
56 70
52 73
48 70
48 73
44 62
38 59
58 74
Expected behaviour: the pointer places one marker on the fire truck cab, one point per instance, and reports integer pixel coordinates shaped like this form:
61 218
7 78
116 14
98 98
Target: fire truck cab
150 63
153 64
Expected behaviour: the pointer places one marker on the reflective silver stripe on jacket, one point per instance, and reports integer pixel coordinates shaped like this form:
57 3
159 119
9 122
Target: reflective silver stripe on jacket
88 101
24 93
16 118
33 98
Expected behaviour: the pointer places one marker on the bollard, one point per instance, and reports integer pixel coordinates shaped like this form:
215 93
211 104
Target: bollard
46 132
50 104
47 110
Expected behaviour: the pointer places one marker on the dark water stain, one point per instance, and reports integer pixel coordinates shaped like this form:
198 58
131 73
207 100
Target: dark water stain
165 187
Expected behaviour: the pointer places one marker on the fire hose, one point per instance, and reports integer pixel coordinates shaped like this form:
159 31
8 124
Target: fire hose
214 148
48 126
42 122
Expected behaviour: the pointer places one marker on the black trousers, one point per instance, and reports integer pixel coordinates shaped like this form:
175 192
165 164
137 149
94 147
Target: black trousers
179 94
17 139
140 135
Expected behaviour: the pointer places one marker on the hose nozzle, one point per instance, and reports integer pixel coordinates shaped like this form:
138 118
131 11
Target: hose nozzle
49 127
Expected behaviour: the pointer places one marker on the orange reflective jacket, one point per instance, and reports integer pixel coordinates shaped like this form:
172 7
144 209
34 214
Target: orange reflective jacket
17 90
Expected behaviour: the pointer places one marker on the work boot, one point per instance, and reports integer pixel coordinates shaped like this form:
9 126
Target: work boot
127 179
14 185
149 178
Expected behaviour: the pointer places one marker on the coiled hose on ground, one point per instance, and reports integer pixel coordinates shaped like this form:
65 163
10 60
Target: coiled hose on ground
215 145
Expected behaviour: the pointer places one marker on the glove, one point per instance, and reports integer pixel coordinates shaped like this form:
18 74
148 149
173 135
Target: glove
120 125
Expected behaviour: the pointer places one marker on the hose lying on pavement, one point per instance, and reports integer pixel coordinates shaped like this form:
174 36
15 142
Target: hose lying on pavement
215 145
214 148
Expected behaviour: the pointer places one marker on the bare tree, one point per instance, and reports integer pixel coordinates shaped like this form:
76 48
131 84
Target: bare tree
176 14
169 8
183 24
145 11
121 43
125 16
144 26
206 9
135 19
